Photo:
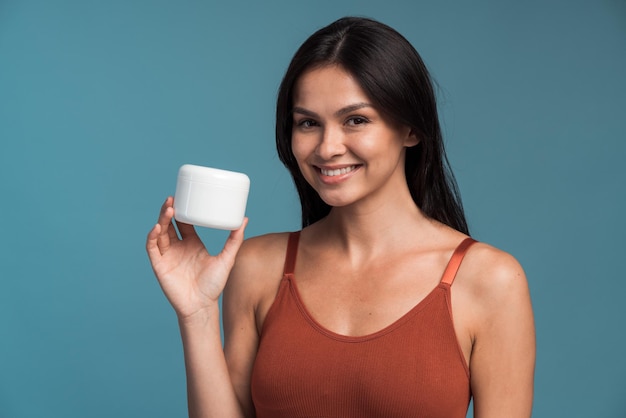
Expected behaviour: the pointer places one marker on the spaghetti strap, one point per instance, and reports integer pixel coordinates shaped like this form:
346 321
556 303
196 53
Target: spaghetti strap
455 261
292 252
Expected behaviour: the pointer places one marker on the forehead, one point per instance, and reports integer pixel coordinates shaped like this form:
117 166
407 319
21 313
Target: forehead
328 85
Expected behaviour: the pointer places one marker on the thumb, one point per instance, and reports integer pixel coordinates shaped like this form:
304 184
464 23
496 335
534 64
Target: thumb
234 241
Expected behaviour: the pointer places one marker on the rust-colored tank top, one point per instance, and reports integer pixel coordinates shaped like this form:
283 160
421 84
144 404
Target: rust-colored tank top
411 368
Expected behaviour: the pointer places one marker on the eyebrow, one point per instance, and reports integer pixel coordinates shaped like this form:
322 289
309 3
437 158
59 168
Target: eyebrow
340 112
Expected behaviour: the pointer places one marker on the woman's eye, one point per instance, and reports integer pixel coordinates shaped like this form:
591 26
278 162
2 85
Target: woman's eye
357 120
306 123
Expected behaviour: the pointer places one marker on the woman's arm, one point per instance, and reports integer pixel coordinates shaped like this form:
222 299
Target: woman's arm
210 392
193 281
502 360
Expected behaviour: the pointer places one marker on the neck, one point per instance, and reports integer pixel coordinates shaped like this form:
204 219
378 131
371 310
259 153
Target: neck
374 228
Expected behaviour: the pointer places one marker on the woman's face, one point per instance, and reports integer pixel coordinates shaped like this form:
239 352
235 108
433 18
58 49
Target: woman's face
344 147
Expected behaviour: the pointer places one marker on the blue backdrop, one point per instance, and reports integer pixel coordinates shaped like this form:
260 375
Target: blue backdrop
102 101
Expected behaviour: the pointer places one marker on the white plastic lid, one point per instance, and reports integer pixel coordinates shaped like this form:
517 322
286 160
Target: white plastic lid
214 176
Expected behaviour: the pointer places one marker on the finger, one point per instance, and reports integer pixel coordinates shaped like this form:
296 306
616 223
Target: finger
165 215
234 241
170 212
167 232
152 246
171 228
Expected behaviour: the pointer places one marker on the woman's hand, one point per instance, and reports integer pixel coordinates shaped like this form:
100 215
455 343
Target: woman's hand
190 277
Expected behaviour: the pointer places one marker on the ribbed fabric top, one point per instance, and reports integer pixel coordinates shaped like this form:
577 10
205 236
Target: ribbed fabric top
411 368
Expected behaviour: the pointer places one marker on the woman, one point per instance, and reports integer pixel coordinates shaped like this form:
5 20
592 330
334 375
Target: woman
381 305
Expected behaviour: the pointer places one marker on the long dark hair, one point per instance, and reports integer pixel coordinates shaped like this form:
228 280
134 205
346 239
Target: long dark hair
394 77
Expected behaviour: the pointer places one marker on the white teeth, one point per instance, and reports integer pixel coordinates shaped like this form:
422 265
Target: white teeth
338 171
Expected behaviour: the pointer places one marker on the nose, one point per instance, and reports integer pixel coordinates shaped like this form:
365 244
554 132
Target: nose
331 143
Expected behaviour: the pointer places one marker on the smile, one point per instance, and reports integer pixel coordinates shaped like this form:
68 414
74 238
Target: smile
338 171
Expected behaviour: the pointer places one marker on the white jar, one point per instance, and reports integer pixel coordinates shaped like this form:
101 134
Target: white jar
211 197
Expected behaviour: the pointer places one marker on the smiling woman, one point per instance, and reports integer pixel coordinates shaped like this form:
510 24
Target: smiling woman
355 315
396 82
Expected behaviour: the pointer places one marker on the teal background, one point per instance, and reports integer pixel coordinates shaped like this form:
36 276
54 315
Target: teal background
102 101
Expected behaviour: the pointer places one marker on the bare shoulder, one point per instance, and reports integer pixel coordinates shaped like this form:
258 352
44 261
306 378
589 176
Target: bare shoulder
491 276
261 253
491 288
258 268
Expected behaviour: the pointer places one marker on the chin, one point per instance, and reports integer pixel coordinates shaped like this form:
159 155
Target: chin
336 201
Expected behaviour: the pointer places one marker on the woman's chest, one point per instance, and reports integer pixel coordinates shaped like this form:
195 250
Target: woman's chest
413 364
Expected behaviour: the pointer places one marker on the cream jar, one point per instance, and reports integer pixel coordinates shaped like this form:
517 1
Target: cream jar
211 197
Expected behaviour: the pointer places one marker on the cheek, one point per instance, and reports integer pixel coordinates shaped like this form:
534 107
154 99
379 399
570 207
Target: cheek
300 148
296 149
300 154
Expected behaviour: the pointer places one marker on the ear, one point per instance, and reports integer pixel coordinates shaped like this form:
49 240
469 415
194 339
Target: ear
411 139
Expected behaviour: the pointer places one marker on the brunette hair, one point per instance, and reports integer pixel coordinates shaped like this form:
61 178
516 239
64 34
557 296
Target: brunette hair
394 77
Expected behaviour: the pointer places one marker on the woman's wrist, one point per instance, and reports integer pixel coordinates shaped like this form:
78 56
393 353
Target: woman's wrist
203 318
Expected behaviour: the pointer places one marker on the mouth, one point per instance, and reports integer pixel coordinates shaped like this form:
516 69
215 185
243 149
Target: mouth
337 171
